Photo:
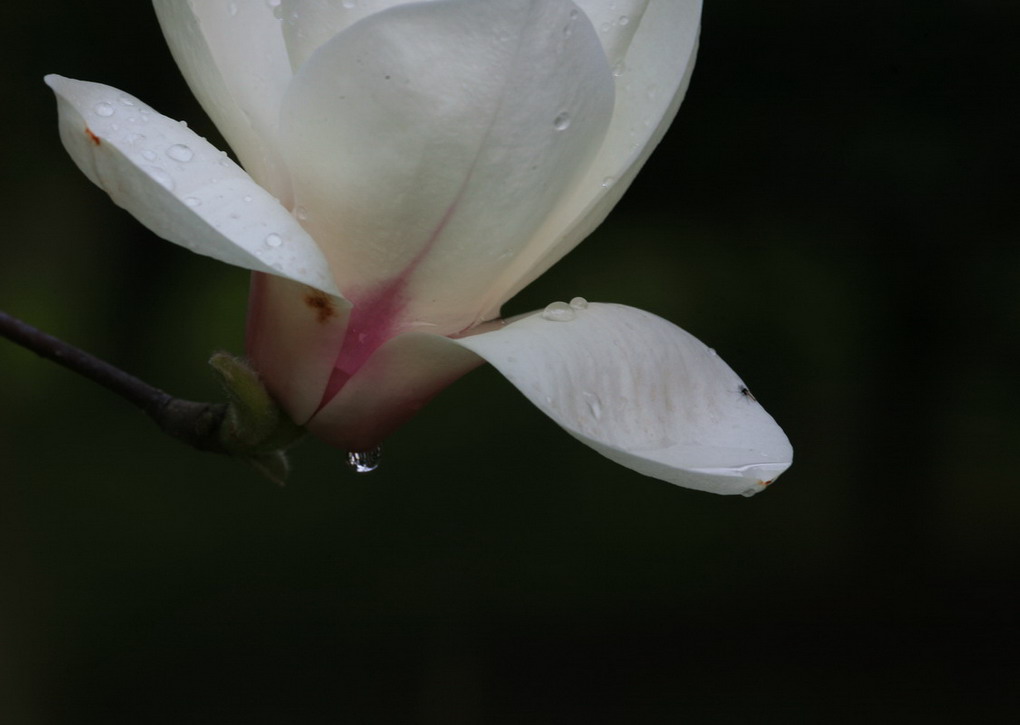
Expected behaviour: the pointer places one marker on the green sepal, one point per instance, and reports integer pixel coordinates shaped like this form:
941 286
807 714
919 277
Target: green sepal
254 427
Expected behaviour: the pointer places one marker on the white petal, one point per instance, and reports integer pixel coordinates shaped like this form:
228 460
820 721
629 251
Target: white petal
653 57
643 392
233 56
307 24
433 138
616 21
180 186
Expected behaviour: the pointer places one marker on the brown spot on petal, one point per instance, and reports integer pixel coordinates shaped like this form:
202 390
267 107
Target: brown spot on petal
321 304
763 484
92 136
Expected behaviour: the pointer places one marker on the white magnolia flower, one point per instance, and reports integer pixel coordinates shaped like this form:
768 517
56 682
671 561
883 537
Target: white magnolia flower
407 168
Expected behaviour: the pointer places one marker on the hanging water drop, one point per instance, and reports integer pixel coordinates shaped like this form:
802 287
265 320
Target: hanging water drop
562 122
559 312
104 109
579 303
180 152
364 461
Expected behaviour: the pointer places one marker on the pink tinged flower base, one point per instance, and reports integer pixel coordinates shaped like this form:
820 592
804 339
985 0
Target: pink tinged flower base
348 373
294 336
389 388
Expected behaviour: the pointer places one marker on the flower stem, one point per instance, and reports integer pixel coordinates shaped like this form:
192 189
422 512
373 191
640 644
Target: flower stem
194 423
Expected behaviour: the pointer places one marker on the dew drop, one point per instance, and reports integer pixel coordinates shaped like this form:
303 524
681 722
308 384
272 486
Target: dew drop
301 213
247 199
608 181
350 4
559 312
568 29
125 101
134 138
274 240
273 3
160 177
192 201
579 303
562 121
364 461
180 152
149 155
623 20
103 109
594 404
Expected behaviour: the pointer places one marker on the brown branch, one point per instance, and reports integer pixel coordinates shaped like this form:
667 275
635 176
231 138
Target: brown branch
194 423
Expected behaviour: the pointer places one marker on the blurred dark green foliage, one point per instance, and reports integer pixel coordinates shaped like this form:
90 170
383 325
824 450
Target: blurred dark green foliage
833 211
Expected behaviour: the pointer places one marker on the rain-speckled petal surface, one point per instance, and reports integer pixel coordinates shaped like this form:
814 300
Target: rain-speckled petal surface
180 186
642 392
653 57
233 56
432 140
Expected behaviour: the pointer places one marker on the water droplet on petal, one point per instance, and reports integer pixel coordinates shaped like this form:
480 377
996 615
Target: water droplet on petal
559 312
364 461
273 3
623 20
274 240
125 101
180 152
608 181
247 199
594 404
579 303
562 121
104 109
149 155
350 4
301 213
192 201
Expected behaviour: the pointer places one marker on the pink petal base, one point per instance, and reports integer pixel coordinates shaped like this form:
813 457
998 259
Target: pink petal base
393 384
294 336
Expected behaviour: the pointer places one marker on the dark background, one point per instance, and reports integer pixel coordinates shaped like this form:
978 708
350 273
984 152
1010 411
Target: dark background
833 211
